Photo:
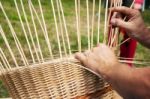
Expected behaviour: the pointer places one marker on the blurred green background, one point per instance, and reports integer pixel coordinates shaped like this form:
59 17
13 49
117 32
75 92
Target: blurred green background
141 52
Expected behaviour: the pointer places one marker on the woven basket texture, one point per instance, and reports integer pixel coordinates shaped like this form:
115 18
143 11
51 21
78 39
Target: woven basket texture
55 80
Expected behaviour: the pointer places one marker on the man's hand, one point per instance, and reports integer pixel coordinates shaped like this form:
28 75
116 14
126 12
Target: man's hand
100 59
135 24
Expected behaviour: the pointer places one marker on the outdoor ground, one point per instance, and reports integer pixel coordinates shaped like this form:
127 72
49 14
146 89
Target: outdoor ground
141 53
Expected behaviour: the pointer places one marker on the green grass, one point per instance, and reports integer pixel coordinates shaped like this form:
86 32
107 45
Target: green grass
142 53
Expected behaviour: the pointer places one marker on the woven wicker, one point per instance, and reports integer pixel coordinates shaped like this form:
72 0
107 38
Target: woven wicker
55 80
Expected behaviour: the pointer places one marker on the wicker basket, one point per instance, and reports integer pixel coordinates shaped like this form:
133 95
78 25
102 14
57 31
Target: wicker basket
55 80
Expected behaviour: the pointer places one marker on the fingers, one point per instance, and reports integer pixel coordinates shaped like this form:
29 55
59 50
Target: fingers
119 23
124 10
81 57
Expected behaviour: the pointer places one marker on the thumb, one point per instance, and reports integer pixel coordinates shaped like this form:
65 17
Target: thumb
119 23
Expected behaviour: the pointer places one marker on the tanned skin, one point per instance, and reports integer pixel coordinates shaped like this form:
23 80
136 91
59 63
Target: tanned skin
130 83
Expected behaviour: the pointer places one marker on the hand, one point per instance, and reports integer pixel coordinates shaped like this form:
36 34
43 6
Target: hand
135 24
100 59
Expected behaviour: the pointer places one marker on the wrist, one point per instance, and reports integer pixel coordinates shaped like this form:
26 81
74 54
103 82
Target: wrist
118 71
111 70
144 38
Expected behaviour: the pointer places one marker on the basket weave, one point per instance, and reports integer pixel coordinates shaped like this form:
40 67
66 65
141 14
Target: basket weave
55 80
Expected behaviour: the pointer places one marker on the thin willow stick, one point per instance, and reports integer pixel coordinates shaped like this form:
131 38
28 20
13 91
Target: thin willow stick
125 19
123 42
77 23
9 48
92 31
17 42
2 70
105 22
56 26
4 57
132 4
35 30
135 59
99 22
88 24
107 25
61 28
116 33
4 61
66 30
133 62
46 33
25 33
111 32
29 30
111 29
79 14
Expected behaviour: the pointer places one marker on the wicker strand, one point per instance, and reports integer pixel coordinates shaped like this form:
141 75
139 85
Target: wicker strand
99 21
77 10
5 61
8 46
17 42
66 30
105 23
88 24
56 26
92 28
29 30
61 28
36 35
24 31
46 32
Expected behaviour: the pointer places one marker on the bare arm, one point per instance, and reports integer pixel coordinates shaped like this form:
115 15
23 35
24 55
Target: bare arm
130 83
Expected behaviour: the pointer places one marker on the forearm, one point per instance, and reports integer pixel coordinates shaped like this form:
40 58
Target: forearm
145 39
129 82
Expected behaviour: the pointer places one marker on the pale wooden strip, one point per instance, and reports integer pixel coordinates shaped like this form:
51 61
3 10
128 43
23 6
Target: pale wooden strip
36 34
2 70
92 31
77 26
8 46
5 59
88 24
105 22
61 28
29 30
66 30
25 33
17 42
99 22
46 32
56 26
